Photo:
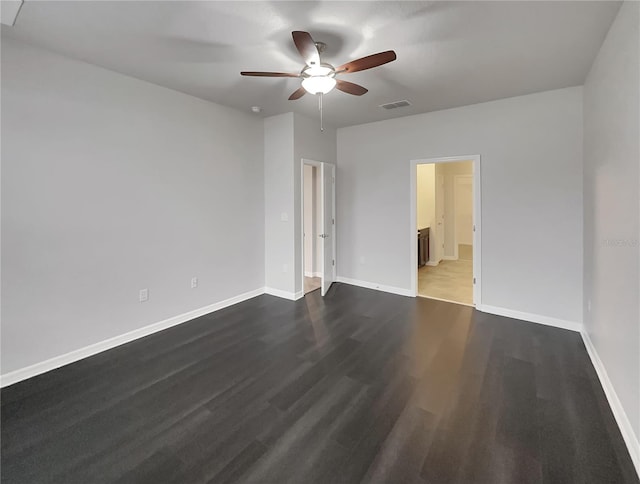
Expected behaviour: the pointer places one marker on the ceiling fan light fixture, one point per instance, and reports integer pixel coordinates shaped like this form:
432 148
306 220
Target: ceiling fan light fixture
318 84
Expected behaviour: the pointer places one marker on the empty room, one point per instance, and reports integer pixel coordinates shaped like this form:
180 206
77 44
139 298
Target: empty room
271 242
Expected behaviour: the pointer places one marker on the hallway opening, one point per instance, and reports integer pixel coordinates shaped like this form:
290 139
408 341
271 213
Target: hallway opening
312 227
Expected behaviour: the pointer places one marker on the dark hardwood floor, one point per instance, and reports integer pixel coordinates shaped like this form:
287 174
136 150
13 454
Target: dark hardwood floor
360 386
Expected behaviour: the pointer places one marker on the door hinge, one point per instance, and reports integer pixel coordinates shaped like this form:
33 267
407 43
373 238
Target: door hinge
333 262
474 280
333 221
474 228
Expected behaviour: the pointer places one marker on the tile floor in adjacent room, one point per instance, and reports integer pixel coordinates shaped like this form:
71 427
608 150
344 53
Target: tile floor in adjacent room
451 280
311 284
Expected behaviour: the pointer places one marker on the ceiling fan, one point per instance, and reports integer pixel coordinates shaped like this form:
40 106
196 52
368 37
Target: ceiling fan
319 77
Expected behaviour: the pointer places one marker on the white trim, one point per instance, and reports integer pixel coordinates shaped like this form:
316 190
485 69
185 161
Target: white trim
633 445
477 221
432 263
372 285
312 274
449 257
79 354
530 317
291 296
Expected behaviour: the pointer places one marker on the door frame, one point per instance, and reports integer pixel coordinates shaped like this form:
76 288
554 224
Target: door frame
318 166
477 221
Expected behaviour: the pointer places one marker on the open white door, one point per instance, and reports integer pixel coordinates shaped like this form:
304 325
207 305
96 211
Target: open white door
440 221
327 237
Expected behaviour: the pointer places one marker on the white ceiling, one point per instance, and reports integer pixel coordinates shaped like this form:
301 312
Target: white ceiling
449 53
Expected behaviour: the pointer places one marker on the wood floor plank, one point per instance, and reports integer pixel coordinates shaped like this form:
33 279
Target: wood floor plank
356 387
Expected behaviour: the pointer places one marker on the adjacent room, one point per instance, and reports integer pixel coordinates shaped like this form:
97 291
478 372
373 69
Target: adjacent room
444 211
270 242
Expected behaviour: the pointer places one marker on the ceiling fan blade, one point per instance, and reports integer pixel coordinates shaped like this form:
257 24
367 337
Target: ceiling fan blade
307 47
268 74
297 94
373 60
350 88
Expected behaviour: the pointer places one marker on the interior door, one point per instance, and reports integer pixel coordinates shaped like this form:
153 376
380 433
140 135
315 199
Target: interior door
328 236
439 232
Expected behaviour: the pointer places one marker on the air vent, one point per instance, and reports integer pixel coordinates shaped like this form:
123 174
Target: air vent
397 104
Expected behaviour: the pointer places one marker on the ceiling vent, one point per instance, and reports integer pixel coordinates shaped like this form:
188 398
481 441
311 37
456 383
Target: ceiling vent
397 104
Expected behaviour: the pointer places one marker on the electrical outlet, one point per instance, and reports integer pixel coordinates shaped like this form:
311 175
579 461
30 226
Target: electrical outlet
284 216
285 268
143 296
194 282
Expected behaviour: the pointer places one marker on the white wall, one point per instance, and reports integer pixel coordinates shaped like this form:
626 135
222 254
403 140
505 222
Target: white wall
531 149
111 185
425 195
288 139
611 209
279 203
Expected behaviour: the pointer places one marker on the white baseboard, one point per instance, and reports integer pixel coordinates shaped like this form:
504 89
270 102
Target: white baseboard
62 360
449 257
532 318
372 285
312 274
292 296
433 263
630 438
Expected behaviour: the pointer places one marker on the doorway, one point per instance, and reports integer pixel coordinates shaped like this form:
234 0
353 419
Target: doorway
318 226
312 227
445 229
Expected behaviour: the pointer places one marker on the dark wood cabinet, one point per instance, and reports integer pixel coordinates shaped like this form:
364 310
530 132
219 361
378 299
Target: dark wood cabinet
423 246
